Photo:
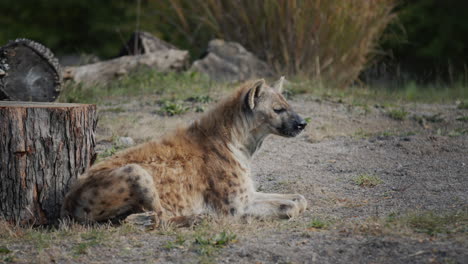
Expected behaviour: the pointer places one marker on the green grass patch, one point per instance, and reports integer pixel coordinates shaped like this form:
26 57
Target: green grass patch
204 99
4 250
432 223
143 82
397 114
170 108
318 224
462 118
383 97
207 244
367 180
113 110
89 239
457 132
177 243
109 152
41 238
463 105
361 134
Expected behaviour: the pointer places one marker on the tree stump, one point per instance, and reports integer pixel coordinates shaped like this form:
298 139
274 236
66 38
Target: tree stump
44 147
28 72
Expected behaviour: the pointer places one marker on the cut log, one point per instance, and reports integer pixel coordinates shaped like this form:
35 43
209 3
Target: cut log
105 71
43 149
144 42
28 72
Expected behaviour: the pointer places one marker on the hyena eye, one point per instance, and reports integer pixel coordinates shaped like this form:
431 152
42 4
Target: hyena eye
279 110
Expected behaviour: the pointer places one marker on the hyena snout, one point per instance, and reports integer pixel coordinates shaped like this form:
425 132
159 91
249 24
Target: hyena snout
293 126
299 123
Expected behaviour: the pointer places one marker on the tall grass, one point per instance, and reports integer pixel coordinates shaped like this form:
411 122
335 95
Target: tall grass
328 41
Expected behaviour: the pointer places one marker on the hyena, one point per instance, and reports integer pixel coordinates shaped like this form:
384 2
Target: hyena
203 168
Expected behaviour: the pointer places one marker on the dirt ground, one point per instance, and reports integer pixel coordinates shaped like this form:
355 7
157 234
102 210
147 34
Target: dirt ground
419 166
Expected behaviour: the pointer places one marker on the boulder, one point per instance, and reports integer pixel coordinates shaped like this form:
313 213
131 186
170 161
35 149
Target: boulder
231 62
144 42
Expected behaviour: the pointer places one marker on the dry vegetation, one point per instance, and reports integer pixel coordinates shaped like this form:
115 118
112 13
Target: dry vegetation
327 41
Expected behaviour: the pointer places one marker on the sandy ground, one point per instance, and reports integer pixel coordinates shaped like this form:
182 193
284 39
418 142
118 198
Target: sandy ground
421 163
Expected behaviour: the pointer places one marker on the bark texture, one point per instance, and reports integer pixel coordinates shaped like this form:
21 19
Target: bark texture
44 147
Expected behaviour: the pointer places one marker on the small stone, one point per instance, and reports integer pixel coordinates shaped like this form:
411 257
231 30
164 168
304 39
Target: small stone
125 141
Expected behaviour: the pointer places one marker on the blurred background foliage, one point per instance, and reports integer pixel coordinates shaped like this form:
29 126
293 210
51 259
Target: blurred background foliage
332 40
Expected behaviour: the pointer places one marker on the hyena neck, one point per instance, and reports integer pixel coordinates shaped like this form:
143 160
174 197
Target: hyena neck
252 141
230 125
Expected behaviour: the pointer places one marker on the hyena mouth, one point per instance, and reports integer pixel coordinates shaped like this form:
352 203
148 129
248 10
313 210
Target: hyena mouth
290 132
293 129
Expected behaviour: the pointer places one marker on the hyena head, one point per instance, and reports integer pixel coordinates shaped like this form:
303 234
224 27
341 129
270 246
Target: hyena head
270 112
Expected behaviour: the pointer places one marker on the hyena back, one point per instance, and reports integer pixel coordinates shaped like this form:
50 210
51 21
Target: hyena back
202 168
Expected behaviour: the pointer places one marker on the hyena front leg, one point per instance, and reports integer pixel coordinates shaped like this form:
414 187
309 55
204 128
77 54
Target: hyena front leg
266 205
297 198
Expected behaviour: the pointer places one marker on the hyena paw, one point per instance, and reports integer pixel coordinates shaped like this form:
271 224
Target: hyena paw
301 202
186 221
145 220
289 209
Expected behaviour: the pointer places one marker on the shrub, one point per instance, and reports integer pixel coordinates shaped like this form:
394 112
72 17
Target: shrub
329 41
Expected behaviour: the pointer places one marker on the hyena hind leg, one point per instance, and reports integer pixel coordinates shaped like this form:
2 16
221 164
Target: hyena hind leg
111 195
143 195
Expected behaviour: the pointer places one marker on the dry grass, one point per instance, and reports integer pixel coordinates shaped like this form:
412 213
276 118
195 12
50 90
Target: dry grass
71 242
328 41
415 224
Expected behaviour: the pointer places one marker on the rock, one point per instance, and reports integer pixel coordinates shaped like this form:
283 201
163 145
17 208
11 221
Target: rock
144 42
126 141
231 62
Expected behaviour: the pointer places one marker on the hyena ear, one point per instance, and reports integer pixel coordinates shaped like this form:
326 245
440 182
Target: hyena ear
278 86
254 92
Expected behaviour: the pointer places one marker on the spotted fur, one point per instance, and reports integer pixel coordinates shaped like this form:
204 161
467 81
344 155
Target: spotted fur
198 169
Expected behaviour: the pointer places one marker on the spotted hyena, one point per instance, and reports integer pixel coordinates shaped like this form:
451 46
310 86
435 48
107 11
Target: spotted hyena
203 168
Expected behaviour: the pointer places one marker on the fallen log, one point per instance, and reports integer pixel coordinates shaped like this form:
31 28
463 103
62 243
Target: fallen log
105 71
43 149
28 72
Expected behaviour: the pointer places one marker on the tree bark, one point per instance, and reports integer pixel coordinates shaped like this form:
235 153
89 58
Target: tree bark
28 72
44 147
104 71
